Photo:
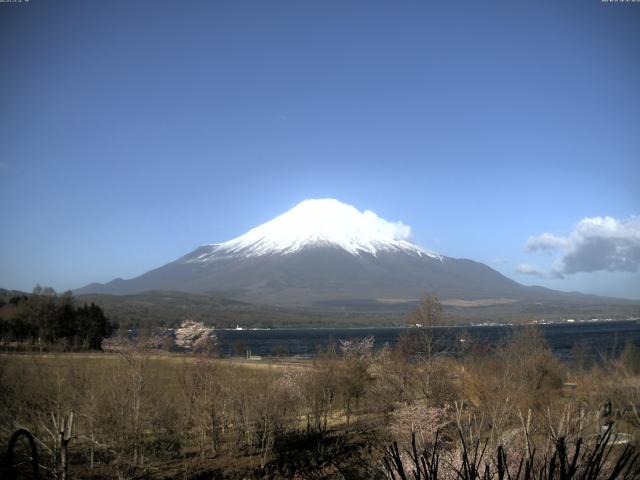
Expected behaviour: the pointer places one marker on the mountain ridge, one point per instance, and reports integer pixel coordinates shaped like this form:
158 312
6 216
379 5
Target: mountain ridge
324 252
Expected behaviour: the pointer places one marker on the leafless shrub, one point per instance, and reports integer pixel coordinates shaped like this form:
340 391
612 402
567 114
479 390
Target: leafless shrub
422 422
564 463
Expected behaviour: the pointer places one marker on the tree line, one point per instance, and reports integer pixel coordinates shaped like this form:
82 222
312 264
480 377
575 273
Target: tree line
46 319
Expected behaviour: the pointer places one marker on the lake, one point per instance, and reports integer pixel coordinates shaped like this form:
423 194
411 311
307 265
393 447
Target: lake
600 338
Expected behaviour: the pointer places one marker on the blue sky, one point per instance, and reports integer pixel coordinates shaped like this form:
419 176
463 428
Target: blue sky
131 132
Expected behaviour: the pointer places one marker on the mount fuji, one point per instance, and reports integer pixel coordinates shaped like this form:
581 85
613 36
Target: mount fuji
324 253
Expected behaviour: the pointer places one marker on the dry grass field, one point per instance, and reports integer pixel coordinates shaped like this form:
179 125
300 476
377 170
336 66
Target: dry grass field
143 414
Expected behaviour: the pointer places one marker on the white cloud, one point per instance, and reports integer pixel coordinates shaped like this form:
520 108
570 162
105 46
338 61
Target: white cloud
528 269
396 230
546 241
595 244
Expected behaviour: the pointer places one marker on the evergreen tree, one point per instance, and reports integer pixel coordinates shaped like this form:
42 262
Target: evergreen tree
46 318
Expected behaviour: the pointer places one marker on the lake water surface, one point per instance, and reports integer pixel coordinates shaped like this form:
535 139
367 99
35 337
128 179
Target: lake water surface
600 338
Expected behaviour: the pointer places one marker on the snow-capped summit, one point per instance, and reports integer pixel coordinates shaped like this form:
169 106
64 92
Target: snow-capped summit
320 222
322 254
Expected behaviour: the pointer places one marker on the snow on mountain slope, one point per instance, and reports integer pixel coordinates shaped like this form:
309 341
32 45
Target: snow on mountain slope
319 222
325 254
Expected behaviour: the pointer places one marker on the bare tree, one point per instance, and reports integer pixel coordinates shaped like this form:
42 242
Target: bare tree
426 317
320 388
63 429
355 377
